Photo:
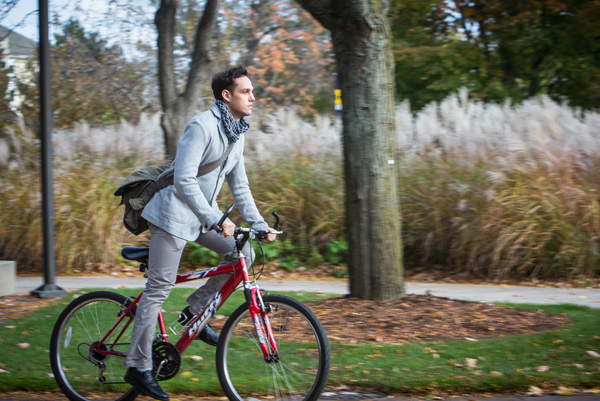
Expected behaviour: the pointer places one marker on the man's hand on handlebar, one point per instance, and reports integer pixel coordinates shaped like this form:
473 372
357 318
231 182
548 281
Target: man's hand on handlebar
228 228
270 237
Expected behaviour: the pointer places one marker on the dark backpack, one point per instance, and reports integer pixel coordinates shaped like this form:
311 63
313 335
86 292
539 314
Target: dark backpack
140 186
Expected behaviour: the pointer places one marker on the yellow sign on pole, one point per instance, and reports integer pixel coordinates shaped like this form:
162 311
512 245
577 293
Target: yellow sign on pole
338 97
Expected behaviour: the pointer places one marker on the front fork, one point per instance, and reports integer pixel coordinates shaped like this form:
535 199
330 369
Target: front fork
260 312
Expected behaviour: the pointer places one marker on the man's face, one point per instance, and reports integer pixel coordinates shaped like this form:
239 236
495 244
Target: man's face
240 99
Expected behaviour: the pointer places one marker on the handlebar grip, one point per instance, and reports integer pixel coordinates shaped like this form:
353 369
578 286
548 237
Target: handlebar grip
274 214
219 226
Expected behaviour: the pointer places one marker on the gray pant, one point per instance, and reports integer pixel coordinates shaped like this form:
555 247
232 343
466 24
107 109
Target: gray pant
165 254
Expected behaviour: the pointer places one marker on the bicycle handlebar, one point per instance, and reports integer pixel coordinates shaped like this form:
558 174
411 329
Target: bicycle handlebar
260 234
218 227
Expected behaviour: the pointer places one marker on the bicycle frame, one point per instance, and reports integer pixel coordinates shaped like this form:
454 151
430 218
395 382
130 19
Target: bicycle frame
238 272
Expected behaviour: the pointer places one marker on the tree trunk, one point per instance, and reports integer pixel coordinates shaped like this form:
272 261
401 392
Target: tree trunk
362 41
179 108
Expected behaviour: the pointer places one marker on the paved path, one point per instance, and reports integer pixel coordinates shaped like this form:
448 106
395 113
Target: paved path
483 293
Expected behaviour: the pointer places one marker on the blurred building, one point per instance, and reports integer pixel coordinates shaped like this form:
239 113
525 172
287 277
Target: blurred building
17 52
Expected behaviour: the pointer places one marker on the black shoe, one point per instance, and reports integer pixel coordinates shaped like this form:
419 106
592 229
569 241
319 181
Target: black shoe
185 316
209 336
146 384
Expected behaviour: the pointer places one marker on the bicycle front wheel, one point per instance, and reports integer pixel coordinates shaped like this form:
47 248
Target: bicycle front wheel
81 372
300 373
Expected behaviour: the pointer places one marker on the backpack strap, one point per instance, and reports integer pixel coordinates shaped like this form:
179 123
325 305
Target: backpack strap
167 180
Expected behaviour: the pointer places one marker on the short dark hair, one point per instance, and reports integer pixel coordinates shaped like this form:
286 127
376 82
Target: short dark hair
226 80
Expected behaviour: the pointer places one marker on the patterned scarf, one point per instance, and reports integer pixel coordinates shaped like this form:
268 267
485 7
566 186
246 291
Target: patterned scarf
233 129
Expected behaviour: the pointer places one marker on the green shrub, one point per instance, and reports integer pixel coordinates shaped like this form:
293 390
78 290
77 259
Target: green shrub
203 256
336 251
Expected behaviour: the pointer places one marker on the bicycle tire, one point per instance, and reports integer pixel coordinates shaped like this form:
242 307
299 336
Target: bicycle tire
304 355
85 320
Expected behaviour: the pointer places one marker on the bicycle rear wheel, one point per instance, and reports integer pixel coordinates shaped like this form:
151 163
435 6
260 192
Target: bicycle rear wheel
82 373
304 356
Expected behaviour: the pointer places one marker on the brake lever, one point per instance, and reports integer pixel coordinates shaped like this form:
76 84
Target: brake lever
262 234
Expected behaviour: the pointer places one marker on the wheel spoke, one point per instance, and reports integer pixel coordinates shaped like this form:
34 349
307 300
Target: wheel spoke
302 369
77 374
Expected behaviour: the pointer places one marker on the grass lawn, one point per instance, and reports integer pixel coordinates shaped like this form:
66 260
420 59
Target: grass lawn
507 364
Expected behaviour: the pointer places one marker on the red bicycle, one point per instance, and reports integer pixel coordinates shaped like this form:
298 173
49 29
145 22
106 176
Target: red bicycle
272 347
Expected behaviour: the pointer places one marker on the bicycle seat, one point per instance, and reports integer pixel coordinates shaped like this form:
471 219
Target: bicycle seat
137 254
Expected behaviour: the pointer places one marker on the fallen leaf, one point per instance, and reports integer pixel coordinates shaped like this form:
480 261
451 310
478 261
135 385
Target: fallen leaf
4 371
542 368
534 344
593 354
496 374
49 375
194 379
186 374
470 339
471 363
25 345
436 355
564 391
534 391
9 327
557 342
196 358
593 391
583 297
578 365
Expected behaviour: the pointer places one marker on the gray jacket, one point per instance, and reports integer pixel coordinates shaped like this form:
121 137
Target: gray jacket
189 206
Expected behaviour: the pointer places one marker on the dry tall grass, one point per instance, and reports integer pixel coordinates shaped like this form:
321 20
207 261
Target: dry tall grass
499 190
488 189
89 163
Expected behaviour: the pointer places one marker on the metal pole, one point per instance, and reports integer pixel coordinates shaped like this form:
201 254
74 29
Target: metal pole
48 289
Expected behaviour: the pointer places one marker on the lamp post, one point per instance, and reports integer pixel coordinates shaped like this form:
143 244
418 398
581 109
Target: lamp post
49 288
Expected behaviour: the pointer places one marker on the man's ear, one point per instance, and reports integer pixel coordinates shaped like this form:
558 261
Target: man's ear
226 95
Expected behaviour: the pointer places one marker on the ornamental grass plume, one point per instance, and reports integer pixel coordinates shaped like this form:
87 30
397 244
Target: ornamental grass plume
89 164
501 190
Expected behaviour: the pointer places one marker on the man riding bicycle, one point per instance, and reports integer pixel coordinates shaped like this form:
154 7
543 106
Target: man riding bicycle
187 210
